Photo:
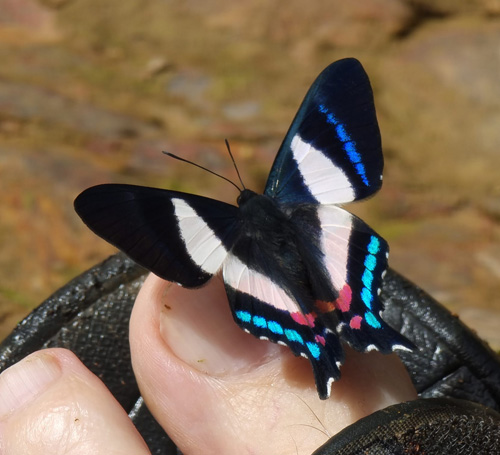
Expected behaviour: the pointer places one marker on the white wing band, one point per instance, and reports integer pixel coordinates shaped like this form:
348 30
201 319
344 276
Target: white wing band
336 225
237 275
326 182
203 246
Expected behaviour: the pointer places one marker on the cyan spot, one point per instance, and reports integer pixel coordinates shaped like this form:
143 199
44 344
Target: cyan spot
275 327
293 335
244 316
313 349
374 245
259 321
372 320
367 298
367 278
370 262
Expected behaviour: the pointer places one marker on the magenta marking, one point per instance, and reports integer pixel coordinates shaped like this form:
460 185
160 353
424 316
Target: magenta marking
320 339
303 319
343 302
355 322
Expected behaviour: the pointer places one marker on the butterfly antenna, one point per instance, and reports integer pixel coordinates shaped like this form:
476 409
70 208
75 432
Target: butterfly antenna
234 163
204 168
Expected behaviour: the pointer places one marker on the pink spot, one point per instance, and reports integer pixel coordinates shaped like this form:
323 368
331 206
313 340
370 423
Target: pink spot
320 339
298 318
304 319
343 302
356 322
311 317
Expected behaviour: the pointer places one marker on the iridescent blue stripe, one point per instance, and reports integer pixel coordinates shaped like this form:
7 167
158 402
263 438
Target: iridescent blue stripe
348 144
367 278
275 327
372 320
370 264
367 297
244 316
314 349
293 335
374 245
259 322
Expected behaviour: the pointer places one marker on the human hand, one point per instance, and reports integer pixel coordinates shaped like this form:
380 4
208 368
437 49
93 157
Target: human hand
214 388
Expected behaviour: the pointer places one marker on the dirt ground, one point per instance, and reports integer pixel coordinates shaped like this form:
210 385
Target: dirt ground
92 92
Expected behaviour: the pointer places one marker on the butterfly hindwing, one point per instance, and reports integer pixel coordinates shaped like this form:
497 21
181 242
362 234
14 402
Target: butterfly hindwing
362 326
266 310
180 237
332 152
355 257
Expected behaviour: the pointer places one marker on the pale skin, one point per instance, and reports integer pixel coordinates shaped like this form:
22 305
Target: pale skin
214 388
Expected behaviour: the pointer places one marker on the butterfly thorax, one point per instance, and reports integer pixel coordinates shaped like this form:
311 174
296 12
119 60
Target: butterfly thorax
260 212
245 196
271 242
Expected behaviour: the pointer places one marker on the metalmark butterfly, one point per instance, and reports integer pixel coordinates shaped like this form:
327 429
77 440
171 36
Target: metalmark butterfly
298 269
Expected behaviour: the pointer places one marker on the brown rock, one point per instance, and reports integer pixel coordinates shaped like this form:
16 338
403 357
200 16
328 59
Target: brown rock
448 7
441 108
326 22
26 21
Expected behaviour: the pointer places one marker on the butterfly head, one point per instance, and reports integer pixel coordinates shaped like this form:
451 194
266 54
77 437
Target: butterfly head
245 196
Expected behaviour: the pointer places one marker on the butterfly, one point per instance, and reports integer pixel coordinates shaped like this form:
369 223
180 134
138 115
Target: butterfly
298 269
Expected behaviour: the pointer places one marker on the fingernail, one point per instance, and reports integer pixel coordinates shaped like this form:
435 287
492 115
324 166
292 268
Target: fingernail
24 381
198 327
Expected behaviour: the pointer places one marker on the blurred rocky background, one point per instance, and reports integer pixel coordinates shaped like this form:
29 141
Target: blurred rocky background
92 91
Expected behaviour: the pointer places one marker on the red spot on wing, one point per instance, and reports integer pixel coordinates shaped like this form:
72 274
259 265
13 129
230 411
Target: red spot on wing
304 319
320 339
343 302
355 322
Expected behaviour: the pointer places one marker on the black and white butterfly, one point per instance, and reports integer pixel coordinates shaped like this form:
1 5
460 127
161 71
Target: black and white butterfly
298 270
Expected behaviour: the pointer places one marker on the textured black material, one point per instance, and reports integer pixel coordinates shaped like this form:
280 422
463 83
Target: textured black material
90 316
435 426
452 361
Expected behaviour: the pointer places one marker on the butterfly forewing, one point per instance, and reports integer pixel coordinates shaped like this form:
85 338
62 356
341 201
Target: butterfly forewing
180 237
332 152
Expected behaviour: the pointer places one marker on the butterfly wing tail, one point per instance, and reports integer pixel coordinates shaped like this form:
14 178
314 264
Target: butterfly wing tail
326 360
